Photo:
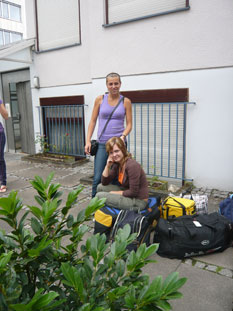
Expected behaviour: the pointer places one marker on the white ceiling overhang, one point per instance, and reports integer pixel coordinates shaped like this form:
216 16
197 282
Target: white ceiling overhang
18 52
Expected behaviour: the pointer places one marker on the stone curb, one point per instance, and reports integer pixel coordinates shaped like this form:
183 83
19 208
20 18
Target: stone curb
212 268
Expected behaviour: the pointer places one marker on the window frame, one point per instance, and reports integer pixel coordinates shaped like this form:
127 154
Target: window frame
107 24
9 5
38 50
4 31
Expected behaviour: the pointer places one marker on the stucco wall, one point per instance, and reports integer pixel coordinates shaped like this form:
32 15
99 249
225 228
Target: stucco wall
198 38
209 138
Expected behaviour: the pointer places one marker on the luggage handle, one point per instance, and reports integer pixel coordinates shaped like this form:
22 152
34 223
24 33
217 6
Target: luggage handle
191 231
181 205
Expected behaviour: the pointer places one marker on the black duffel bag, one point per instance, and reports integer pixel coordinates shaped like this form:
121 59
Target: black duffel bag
188 236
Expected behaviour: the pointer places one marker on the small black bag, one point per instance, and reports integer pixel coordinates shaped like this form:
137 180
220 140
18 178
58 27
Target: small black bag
189 236
94 147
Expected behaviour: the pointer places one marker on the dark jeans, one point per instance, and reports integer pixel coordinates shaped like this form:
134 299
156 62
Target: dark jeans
2 160
99 165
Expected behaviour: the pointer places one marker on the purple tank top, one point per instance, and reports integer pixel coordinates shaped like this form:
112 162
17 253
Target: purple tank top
115 126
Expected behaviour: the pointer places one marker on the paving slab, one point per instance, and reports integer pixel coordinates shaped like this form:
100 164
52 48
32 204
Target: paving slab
16 183
224 259
71 180
16 166
203 291
163 266
43 172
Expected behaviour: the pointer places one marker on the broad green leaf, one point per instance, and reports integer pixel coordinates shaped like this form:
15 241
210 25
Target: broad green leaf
36 211
94 205
4 259
44 300
164 305
34 252
49 179
174 286
36 226
174 295
151 250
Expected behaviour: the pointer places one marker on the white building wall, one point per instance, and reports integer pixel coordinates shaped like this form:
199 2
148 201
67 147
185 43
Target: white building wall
190 49
198 38
209 122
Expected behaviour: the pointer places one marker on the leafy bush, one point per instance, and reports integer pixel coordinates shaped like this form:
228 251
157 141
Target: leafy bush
47 262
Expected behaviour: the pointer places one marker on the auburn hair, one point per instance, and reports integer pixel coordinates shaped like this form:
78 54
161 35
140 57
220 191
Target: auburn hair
120 144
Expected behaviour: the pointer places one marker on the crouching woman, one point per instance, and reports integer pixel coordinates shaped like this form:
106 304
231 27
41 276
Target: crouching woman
131 191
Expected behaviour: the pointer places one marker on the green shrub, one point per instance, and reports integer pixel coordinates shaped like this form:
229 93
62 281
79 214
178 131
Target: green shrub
54 266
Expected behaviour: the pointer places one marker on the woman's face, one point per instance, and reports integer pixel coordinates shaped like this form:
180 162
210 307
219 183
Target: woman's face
116 154
113 85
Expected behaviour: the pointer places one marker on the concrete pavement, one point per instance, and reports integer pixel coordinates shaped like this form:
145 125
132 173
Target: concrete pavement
210 278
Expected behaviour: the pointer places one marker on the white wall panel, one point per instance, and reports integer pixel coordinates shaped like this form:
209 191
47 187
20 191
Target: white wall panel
58 24
120 10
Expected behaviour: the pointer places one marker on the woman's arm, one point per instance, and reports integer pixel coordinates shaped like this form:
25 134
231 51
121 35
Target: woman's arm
133 169
110 172
128 112
3 110
92 123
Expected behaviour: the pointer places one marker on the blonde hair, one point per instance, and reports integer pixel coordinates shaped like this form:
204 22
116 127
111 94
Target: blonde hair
113 75
120 144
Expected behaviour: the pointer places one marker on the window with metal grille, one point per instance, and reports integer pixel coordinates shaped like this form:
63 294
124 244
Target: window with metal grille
62 124
157 139
121 11
58 24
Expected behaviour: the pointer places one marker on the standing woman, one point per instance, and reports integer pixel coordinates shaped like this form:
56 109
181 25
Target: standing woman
103 107
4 114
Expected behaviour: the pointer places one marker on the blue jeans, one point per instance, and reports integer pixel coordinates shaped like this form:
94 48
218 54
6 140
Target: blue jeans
2 160
99 165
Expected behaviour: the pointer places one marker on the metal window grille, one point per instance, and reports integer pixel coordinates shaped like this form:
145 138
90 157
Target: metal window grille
62 128
157 141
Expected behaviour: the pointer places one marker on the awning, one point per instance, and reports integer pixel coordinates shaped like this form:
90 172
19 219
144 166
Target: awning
19 52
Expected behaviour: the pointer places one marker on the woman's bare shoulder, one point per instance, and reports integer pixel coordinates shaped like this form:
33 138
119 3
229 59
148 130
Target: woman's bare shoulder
99 99
127 101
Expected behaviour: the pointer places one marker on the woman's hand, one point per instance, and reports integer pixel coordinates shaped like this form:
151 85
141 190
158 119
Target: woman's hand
117 192
123 138
110 161
88 148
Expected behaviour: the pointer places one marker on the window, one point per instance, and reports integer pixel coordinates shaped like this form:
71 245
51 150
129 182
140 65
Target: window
1 37
57 23
15 37
157 140
121 11
15 13
62 121
10 11
5 12
7 37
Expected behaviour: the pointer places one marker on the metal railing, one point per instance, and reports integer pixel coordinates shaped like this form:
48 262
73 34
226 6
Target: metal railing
62 129
158 138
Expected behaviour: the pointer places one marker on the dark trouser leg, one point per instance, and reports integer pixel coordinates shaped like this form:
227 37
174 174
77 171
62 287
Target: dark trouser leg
2 160
99 165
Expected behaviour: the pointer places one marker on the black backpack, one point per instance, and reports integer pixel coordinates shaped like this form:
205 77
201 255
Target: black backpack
188 236
141 224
